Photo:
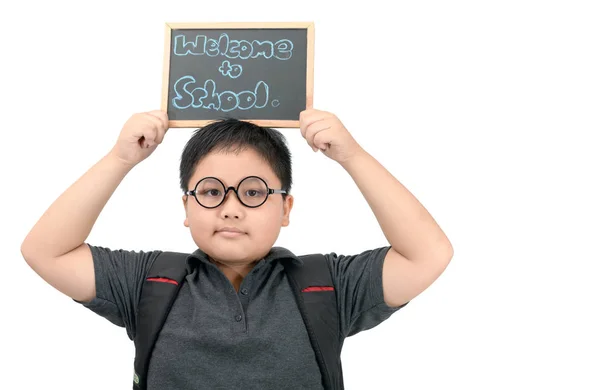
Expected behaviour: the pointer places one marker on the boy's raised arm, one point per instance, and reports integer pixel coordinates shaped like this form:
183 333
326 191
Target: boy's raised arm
55 247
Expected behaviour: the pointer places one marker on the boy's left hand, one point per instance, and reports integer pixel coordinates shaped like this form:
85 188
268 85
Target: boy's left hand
324 131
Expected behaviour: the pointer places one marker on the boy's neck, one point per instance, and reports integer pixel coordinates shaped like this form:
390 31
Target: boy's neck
235 274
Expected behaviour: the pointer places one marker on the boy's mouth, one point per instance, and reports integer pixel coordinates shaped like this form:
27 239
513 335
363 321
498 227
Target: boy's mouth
230 232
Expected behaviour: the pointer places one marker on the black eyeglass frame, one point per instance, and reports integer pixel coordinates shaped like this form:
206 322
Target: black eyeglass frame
234 189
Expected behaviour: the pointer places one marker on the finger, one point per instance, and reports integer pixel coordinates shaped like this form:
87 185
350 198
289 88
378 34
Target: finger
312 116
148 136
162 125
160 129
309 117
321 139
142 131
156 121
308 124
162 115
154 125
305 113
313 130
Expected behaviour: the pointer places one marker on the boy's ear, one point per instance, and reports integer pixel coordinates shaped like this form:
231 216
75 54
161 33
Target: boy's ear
185 222
288 203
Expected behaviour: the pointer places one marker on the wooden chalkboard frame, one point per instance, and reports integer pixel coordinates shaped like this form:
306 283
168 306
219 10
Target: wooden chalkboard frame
310 43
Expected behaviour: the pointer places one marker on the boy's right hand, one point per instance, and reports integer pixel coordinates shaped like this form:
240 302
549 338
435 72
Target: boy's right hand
140 136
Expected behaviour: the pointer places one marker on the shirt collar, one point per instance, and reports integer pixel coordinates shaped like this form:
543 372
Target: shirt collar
276 253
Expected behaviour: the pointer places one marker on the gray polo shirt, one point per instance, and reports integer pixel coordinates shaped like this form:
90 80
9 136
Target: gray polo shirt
217 338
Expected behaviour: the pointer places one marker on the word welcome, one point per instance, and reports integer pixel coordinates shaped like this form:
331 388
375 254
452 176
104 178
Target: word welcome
232 48
190 95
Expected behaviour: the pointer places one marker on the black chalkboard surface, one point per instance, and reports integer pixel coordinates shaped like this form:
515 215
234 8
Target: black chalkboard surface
259 72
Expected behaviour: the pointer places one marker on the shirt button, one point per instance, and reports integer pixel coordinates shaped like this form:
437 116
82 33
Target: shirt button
238 318
244 291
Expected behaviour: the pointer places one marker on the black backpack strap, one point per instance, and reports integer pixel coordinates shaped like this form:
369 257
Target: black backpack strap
162 283
316 297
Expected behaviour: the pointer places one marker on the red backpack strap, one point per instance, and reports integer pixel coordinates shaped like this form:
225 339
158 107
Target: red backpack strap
316 298
161 286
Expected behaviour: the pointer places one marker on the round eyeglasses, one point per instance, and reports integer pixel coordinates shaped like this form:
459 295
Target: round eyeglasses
252 192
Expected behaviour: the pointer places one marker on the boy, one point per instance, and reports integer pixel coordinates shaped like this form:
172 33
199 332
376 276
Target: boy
234 322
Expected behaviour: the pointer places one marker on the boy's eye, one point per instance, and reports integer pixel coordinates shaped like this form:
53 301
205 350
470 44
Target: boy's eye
211 192
254 193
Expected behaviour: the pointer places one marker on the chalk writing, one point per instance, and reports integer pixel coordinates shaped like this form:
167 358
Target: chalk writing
232 48
234 71
188 94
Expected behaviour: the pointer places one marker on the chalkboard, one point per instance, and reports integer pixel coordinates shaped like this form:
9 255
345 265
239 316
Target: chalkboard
259 72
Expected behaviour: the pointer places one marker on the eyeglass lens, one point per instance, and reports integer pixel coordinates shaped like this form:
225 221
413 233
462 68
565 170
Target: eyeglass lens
252 192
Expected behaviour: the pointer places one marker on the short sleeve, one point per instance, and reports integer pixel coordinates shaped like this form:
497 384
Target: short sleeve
358 281
119 276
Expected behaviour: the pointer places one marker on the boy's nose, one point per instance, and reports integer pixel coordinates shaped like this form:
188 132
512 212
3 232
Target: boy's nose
231 207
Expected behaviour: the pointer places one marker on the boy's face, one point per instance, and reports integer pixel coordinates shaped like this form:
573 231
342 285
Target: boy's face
260 226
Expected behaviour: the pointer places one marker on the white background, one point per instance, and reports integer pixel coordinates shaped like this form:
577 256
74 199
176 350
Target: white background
488 112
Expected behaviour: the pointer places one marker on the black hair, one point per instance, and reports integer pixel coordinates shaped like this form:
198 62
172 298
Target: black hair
233 135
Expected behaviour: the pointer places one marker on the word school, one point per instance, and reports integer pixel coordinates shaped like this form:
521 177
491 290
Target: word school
232 48
190 94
